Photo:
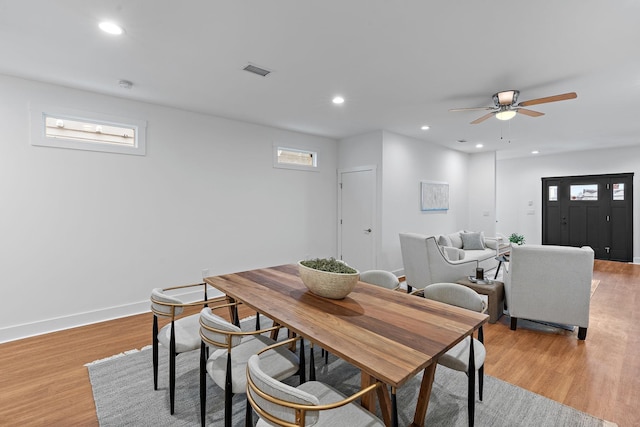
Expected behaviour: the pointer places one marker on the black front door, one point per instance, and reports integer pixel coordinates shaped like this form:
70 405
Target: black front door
593 210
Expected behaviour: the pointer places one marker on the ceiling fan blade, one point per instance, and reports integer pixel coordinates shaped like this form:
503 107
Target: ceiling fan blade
482 119
554 98
529 113
471 109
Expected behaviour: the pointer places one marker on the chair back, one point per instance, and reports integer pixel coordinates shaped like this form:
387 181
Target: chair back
550 283
275 401
217 332
165 305
383 278
415 259
455 294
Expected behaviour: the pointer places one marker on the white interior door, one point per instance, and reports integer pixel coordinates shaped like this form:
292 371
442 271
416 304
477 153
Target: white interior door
356 224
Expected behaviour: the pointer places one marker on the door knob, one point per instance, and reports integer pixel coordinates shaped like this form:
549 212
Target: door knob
368 230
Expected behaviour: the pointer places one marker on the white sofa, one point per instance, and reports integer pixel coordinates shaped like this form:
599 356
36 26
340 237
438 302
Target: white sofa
426 262
550 284
468 245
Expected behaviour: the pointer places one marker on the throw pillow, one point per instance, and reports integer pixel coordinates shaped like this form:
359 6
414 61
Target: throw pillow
472 241
444 240
456 240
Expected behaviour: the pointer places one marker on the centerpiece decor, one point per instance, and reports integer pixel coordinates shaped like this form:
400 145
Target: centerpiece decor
328 277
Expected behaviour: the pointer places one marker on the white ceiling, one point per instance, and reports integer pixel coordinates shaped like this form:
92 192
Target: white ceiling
399 64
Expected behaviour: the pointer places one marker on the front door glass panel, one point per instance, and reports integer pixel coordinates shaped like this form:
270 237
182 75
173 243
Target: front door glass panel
618 191
584 192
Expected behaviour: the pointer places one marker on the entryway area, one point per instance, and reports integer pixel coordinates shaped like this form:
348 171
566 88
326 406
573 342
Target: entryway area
591 210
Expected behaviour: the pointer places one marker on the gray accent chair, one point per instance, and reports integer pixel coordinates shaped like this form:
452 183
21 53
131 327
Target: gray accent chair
459 357
310 404
424 262
552 284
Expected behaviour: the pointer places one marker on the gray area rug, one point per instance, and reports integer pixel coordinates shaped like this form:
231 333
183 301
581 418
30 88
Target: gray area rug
124 396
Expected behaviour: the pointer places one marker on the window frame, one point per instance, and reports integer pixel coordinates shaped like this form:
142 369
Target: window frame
39 114
314 152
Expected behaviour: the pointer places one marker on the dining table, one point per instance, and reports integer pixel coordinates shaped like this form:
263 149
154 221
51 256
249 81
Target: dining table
389 335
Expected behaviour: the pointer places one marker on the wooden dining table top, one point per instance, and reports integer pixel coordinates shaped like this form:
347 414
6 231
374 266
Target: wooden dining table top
388 334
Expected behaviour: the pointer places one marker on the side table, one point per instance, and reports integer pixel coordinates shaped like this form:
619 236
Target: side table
494 290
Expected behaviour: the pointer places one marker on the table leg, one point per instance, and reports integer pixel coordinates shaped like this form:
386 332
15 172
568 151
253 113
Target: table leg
497 270
387 407
423 397
367 401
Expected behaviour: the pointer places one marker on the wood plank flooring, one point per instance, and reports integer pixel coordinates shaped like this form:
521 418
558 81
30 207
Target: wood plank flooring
43 380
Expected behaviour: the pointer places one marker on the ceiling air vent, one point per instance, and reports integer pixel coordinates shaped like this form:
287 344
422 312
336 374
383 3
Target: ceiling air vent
257 70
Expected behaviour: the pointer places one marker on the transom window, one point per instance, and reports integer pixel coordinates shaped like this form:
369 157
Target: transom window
294 158
91 132
65 128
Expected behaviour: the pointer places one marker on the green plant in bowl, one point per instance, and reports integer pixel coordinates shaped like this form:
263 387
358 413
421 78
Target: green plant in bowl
331 265
328 277
516 239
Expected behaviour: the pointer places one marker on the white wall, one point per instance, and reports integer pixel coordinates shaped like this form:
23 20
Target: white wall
482 193
519 182
408 161
87 235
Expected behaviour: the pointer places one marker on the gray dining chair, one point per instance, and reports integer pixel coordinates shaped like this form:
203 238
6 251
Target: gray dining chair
458 357
180 335
383 278
311 403
227 364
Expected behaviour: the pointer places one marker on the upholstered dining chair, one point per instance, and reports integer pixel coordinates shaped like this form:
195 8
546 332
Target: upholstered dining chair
179 335
458 357
382 278
226 366
310 404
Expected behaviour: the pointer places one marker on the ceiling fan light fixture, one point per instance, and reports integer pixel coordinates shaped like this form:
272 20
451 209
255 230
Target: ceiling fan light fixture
505 115
507 97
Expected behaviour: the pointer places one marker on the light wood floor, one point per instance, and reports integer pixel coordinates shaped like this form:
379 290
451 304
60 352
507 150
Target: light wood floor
43 381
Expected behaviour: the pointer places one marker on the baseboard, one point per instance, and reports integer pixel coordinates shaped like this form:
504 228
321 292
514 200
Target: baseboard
636 260
45 326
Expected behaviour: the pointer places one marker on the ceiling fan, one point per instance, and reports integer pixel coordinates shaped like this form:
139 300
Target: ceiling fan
505 107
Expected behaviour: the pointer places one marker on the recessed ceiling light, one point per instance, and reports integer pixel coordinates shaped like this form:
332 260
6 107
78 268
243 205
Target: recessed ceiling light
111 28
425 127
338 100
535 152
479 145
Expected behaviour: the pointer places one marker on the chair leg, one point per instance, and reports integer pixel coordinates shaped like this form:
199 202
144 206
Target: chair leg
257 321
514 323
471 373
203 383
228 393
303 363
394 407
480 381
312 364
172 367
248 415
582 333
155 352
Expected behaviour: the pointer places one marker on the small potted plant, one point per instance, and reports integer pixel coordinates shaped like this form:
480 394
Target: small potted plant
516 239
328 277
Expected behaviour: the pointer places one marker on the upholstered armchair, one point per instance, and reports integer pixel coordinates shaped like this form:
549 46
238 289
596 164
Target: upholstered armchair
424 262
550 284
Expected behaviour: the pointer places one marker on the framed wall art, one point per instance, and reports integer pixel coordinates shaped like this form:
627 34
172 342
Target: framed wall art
434 196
